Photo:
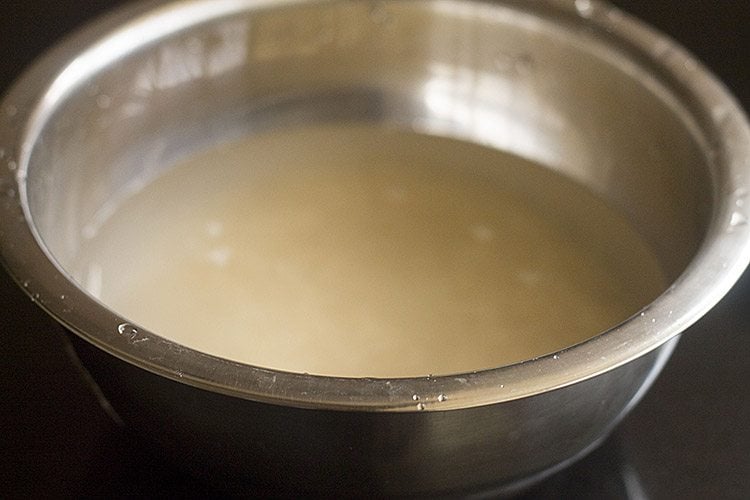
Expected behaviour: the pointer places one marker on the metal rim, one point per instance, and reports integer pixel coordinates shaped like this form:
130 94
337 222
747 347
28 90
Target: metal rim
719 263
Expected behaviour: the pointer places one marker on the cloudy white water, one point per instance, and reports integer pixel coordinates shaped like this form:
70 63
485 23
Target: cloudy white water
363 251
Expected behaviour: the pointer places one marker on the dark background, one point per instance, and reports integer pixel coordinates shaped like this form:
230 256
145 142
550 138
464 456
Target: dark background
689 438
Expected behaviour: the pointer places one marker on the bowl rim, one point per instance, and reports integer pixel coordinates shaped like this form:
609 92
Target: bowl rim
718 264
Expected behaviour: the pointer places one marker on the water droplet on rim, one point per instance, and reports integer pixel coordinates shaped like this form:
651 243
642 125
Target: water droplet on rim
584 7
740 195
127 329
441 398
737 219
420 406
415 397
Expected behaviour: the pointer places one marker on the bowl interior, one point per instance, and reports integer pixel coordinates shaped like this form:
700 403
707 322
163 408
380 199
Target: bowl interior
554 91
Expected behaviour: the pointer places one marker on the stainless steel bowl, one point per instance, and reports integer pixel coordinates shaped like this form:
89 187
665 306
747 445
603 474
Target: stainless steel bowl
575 85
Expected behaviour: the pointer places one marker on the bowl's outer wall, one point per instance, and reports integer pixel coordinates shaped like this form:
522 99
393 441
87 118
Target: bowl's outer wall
243 446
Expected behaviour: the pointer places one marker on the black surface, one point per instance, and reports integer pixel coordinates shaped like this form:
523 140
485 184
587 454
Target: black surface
689 438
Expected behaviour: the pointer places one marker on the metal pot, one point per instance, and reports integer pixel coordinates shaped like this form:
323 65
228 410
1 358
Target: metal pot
577 86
